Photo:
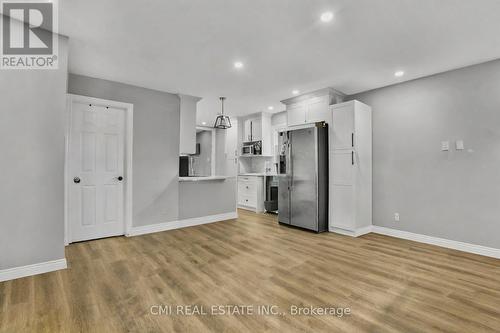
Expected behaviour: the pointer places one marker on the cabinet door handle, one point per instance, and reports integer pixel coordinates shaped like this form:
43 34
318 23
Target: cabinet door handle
352 157
352 140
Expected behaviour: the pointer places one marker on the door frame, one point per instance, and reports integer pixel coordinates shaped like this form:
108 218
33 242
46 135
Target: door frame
128 144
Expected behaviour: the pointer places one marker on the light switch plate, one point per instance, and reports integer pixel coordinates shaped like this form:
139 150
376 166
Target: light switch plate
445 145
459 144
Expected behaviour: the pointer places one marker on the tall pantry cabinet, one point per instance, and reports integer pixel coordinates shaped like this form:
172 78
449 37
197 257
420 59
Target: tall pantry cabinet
351 172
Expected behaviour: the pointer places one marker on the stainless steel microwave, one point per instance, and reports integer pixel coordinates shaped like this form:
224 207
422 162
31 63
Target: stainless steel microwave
247 149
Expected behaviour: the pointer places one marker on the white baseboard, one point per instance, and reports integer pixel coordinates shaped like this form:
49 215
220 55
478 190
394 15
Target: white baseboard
356 233
451 244
148 229
34 269
252 209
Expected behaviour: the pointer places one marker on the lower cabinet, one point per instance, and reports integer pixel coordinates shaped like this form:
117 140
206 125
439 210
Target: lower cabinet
251 193
342 190
343 208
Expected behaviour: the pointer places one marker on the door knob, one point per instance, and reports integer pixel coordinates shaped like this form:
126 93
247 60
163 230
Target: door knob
76 180
120 178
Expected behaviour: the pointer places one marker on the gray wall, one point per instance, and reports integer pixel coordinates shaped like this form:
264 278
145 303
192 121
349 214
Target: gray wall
32 166
156 145
157 194
455 194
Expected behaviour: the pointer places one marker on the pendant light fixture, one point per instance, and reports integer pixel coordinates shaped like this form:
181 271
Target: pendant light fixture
222 121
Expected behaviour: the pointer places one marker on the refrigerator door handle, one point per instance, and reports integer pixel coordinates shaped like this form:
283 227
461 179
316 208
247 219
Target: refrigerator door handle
289 168
352 157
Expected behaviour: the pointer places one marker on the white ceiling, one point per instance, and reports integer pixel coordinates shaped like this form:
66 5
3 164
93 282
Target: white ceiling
189 46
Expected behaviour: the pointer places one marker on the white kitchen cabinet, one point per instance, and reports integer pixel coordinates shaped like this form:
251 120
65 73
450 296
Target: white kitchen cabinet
247 130
312 107
317 109
342 128
350 168
187 131
343 162
256 127
343 211
252 129
296 114
251 193
265 132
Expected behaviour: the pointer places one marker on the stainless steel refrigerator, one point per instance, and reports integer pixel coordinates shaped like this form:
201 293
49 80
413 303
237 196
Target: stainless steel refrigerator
303 178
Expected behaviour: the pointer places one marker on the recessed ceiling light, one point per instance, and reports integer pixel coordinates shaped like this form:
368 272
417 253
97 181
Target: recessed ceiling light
399 73
270 107
203 122
326 16
295 92
238 64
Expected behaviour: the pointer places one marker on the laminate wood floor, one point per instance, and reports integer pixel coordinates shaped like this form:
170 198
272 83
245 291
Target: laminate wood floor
390 285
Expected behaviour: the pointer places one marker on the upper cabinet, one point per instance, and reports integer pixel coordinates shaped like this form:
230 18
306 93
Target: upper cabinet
312 107
187 139
343 126
252 130
247 130
317 109
296 113
257 127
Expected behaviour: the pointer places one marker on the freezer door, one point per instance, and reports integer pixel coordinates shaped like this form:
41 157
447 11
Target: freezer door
283 200
304 189
284 179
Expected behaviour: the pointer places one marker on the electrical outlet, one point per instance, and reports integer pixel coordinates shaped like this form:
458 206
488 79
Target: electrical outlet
396 217
445 145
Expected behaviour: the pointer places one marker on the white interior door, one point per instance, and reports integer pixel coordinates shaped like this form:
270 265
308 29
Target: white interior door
96 172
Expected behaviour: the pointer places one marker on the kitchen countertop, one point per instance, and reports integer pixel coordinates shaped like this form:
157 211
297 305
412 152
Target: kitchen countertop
202 178
257 174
